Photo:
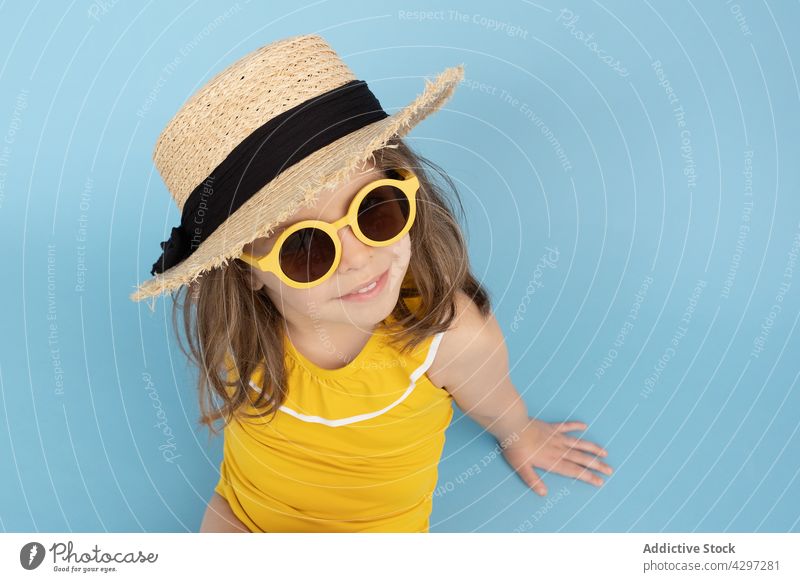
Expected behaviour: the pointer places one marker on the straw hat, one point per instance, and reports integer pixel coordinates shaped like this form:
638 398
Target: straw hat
261 139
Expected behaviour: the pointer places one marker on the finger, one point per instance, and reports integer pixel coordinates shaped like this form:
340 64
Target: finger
585 446
572 425
532 479
588 461
570 469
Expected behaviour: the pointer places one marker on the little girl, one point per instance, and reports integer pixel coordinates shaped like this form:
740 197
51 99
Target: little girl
331 305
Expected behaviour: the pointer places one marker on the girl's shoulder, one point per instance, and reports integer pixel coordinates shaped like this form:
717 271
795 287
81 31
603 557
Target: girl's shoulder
470 336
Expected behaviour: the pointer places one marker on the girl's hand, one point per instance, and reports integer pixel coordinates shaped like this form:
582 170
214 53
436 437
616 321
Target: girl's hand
545 445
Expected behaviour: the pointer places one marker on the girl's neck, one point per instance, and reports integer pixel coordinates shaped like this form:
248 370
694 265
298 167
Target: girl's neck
328 345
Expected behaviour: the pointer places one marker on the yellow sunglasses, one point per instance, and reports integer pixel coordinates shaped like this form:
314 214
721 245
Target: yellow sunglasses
308 252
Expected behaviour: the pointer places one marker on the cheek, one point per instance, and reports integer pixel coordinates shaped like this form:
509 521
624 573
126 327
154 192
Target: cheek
281 293
401 250
400 256
307 302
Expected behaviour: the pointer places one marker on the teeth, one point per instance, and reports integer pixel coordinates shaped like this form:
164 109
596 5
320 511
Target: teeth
368 288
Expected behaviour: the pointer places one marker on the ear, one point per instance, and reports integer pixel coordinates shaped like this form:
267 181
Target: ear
249 275
253 280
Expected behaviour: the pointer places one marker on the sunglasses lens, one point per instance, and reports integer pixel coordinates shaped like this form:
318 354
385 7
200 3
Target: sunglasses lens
383 213
307 255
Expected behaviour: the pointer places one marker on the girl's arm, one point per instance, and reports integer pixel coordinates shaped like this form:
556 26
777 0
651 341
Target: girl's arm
472 365
220 519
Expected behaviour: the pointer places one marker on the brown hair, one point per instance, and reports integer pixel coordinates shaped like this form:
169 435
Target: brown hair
231 318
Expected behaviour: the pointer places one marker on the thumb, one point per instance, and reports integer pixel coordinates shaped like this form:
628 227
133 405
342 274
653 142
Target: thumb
532 479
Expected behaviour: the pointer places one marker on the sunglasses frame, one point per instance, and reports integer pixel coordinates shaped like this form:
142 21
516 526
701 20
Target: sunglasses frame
270 262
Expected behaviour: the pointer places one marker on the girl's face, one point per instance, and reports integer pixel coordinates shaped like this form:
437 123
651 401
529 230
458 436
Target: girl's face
360 264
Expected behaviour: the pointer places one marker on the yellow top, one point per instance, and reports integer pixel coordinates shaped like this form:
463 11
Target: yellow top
353 449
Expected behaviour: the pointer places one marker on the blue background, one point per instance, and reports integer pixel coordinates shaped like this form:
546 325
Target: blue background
549 145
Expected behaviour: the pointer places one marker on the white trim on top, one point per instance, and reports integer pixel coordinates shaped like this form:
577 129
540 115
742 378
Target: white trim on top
415 375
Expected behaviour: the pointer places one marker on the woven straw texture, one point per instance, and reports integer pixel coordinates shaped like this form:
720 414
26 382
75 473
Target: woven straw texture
240 99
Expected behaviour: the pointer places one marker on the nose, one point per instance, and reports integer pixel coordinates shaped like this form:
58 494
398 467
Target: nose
355 254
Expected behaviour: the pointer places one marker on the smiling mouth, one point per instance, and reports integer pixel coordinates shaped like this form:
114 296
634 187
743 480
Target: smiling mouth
368 288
